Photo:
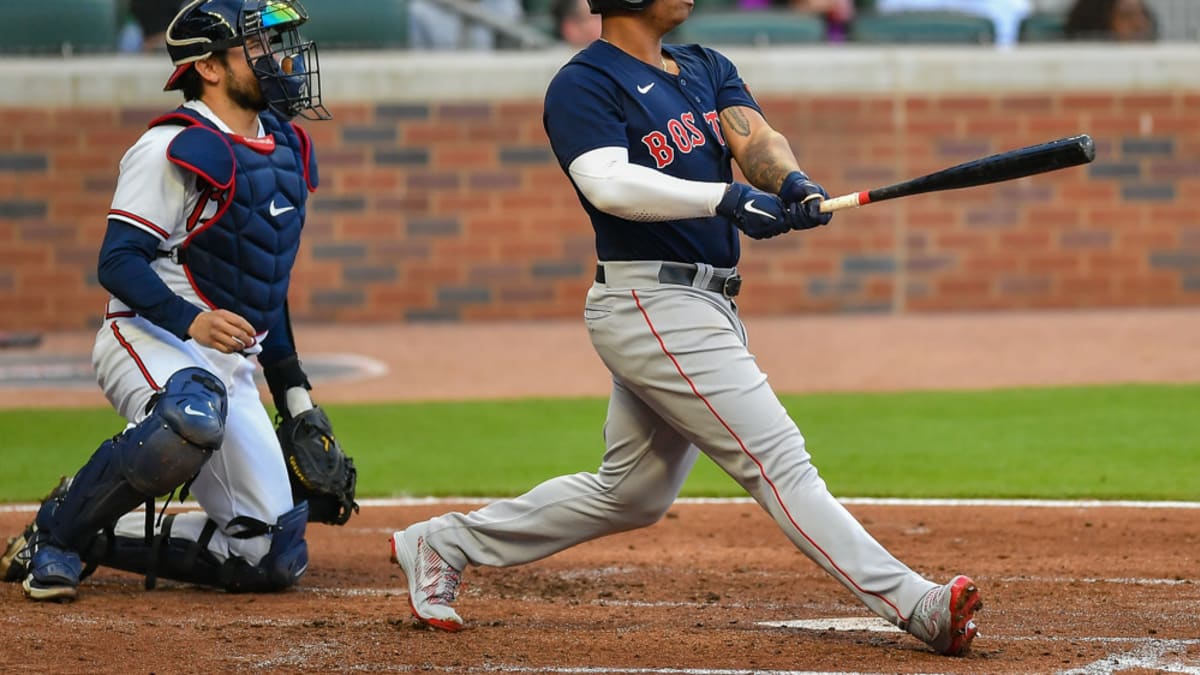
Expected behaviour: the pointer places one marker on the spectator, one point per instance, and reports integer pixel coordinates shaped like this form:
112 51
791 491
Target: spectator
1006 15
145 33
1115 20
432 25
574 22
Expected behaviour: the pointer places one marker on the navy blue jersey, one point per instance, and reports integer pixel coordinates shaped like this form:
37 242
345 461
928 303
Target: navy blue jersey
604 98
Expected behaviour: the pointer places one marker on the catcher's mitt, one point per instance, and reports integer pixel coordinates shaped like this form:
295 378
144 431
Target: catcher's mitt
319 471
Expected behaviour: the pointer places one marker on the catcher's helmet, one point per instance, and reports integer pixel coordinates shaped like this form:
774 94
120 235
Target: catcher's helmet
286 67
601 6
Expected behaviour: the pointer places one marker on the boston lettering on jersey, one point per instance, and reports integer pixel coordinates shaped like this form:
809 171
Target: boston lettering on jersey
684 135
604 98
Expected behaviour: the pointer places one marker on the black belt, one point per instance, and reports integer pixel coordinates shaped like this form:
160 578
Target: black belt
682 274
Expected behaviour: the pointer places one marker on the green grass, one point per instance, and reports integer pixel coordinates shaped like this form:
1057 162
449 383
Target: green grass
1117 442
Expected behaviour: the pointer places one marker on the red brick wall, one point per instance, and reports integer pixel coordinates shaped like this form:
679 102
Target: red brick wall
459 211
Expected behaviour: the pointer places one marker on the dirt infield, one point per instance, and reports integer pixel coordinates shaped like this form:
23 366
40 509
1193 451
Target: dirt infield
1072 590
1068 589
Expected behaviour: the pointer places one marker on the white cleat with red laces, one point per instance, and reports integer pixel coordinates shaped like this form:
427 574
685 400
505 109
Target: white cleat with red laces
945 618
432 582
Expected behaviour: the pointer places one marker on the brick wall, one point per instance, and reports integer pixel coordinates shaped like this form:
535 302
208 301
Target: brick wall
458 211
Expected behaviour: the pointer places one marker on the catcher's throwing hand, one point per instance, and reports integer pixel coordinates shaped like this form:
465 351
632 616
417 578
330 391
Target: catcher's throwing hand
320 472
222 330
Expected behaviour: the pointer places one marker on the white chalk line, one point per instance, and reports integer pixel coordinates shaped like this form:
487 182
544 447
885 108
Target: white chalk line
392 502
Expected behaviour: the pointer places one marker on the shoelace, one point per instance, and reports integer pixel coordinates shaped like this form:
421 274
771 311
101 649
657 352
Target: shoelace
441 580
929 614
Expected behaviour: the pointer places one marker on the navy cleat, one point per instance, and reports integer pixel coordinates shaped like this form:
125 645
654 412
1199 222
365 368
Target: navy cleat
53 572
14 563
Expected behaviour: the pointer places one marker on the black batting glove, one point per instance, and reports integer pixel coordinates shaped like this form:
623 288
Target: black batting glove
759 214
803 199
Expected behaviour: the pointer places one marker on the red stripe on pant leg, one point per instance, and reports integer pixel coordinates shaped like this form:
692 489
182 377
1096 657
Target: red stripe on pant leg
136 359
761 470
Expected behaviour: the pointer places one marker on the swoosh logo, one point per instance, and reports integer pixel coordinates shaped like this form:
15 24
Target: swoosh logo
188 409
275 210
645 88
754 209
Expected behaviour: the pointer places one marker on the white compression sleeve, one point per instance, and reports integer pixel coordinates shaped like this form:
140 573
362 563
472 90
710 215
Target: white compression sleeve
298 400
633 192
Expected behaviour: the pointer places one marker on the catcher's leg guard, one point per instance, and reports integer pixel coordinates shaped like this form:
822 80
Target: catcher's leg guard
190 561
184 427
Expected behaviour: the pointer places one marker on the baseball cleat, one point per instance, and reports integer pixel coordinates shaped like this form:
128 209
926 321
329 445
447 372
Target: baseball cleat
432 582
945 618
53 572
14 563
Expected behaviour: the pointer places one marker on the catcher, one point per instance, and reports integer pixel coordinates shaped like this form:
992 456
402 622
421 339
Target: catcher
203 231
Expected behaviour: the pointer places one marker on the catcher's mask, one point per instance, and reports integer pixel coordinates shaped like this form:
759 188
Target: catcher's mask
286 66
601 6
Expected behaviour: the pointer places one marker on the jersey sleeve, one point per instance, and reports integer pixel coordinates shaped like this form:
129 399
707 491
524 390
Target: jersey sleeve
151 192
731 89
582 112
124 270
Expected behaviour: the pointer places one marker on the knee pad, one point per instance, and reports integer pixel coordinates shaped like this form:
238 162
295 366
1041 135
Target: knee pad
185 425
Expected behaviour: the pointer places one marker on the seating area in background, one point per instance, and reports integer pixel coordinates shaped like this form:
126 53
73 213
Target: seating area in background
357 24
758 28
83 27
922 28
58 27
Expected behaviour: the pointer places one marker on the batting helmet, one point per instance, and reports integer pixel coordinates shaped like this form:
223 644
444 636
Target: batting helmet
602 6
286 66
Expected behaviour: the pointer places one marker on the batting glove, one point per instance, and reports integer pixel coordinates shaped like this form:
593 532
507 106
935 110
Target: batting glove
803 198
759 214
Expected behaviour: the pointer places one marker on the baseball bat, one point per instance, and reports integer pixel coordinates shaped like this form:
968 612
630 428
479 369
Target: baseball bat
1028 161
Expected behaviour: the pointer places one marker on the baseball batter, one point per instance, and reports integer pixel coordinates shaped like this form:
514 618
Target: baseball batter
646 133
204 227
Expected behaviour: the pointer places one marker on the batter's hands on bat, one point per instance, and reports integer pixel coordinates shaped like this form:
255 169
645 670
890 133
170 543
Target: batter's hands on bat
803 196
759 214
222 330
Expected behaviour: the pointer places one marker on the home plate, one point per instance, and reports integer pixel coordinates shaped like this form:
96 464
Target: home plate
872 624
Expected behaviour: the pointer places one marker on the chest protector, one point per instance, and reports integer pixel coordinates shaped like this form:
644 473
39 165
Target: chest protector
240 258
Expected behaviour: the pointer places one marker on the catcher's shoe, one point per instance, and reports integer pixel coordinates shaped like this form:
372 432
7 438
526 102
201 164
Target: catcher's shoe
945 618
53 572
14 563
432 582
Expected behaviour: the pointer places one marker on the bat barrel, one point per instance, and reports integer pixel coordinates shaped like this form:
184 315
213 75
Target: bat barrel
997 168
1027 161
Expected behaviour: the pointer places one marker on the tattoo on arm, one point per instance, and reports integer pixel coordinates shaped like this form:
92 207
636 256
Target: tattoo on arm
735 122
767 161
766 158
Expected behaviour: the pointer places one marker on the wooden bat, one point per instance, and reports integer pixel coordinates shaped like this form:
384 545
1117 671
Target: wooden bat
1002 166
